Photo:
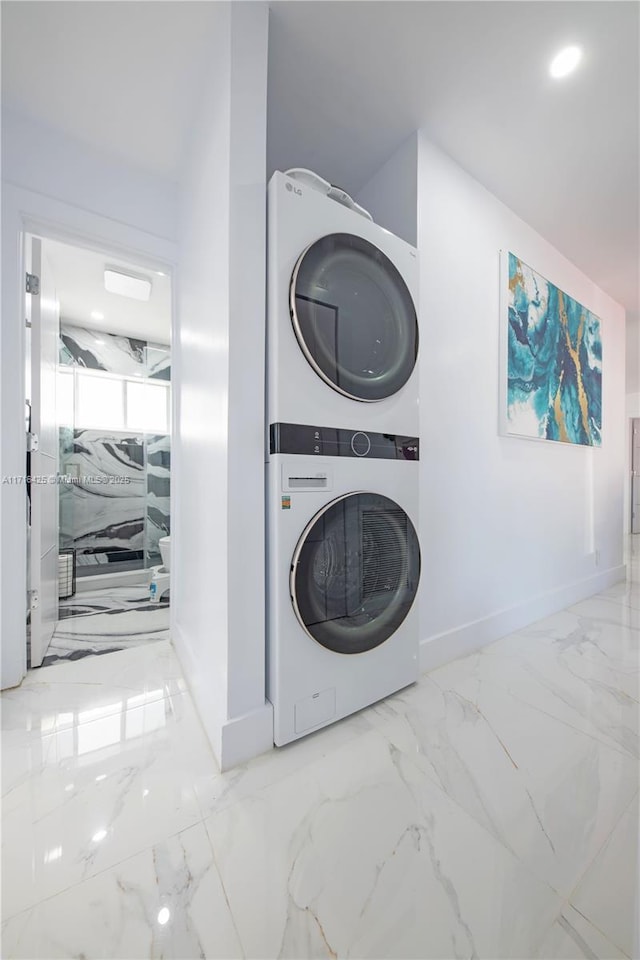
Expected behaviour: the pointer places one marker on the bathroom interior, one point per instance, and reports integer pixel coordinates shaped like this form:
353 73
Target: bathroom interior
113 403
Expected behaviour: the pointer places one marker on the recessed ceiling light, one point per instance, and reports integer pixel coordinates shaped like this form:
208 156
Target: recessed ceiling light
126 285
163 916
565 62
159 273
96 315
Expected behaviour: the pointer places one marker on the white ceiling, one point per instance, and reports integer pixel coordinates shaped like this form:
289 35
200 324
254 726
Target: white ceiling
79 280
348 81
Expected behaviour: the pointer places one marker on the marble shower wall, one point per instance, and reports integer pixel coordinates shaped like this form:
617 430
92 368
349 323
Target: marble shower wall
103 521
117 505
126 356
158 479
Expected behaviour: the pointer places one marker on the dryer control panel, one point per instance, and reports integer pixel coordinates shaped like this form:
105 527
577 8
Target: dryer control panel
297 438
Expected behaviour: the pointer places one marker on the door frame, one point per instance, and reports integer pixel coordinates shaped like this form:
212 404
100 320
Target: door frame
631 421
41 362
25 212
632 412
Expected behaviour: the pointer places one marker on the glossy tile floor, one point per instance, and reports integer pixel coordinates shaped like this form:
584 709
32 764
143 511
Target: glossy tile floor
489 811
97 622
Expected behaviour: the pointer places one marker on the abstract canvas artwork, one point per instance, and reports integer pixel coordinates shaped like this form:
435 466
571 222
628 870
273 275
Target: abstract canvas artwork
554 362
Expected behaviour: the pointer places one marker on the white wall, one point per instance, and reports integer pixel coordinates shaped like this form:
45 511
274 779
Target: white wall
511 529
391 195
217 534
48 162
633 404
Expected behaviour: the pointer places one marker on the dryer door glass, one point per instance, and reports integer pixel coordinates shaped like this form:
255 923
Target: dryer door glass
355 572
354 317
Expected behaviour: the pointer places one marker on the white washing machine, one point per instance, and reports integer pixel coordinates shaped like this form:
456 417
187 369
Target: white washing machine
343 572
342 325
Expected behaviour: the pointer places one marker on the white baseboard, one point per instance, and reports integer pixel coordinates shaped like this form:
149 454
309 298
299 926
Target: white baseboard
247 736
459 641
232 741
102 581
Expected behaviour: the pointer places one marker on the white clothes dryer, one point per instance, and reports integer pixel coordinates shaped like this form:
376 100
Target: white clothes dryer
343 572
342 324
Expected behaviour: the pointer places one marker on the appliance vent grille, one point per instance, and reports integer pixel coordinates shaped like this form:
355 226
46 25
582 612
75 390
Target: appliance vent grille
384 551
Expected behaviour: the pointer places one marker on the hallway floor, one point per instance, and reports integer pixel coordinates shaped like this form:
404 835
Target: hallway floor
489 811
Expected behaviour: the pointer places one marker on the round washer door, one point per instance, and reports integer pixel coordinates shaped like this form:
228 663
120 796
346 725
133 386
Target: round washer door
354 317
355 572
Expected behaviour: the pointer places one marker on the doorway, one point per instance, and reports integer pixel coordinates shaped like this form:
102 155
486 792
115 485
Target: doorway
635 475
98 416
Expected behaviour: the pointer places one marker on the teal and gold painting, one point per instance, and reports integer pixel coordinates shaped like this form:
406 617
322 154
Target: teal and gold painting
554 366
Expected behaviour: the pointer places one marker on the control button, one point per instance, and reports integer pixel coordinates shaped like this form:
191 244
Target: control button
360 444
410 450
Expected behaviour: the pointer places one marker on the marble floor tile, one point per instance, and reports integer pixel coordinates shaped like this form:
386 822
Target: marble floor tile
609 610
109 786
548 792
485 812
216 790
135 667
574 678
166 901
23 758
626 592
360 855
593 637
98 622
572 937
60 695
608 893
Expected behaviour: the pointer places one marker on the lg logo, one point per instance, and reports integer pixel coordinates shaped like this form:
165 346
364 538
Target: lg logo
296 190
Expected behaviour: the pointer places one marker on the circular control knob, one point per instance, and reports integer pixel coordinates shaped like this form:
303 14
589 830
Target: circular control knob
360 444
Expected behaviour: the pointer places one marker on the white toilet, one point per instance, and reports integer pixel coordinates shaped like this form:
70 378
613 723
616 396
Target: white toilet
165 552
160 577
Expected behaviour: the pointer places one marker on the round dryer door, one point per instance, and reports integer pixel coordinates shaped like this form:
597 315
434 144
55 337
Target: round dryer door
354 317
355 572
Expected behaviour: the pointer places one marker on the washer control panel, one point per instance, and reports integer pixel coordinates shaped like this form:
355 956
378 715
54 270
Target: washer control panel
360 444
298 438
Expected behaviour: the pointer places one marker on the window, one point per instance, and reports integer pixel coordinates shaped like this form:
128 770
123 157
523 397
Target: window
109 402
147 407
99 402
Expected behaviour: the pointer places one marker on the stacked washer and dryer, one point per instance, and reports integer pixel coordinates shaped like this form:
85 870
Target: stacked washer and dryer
342 471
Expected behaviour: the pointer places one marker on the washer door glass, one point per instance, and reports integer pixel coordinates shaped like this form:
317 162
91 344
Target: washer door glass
355 572
354 317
